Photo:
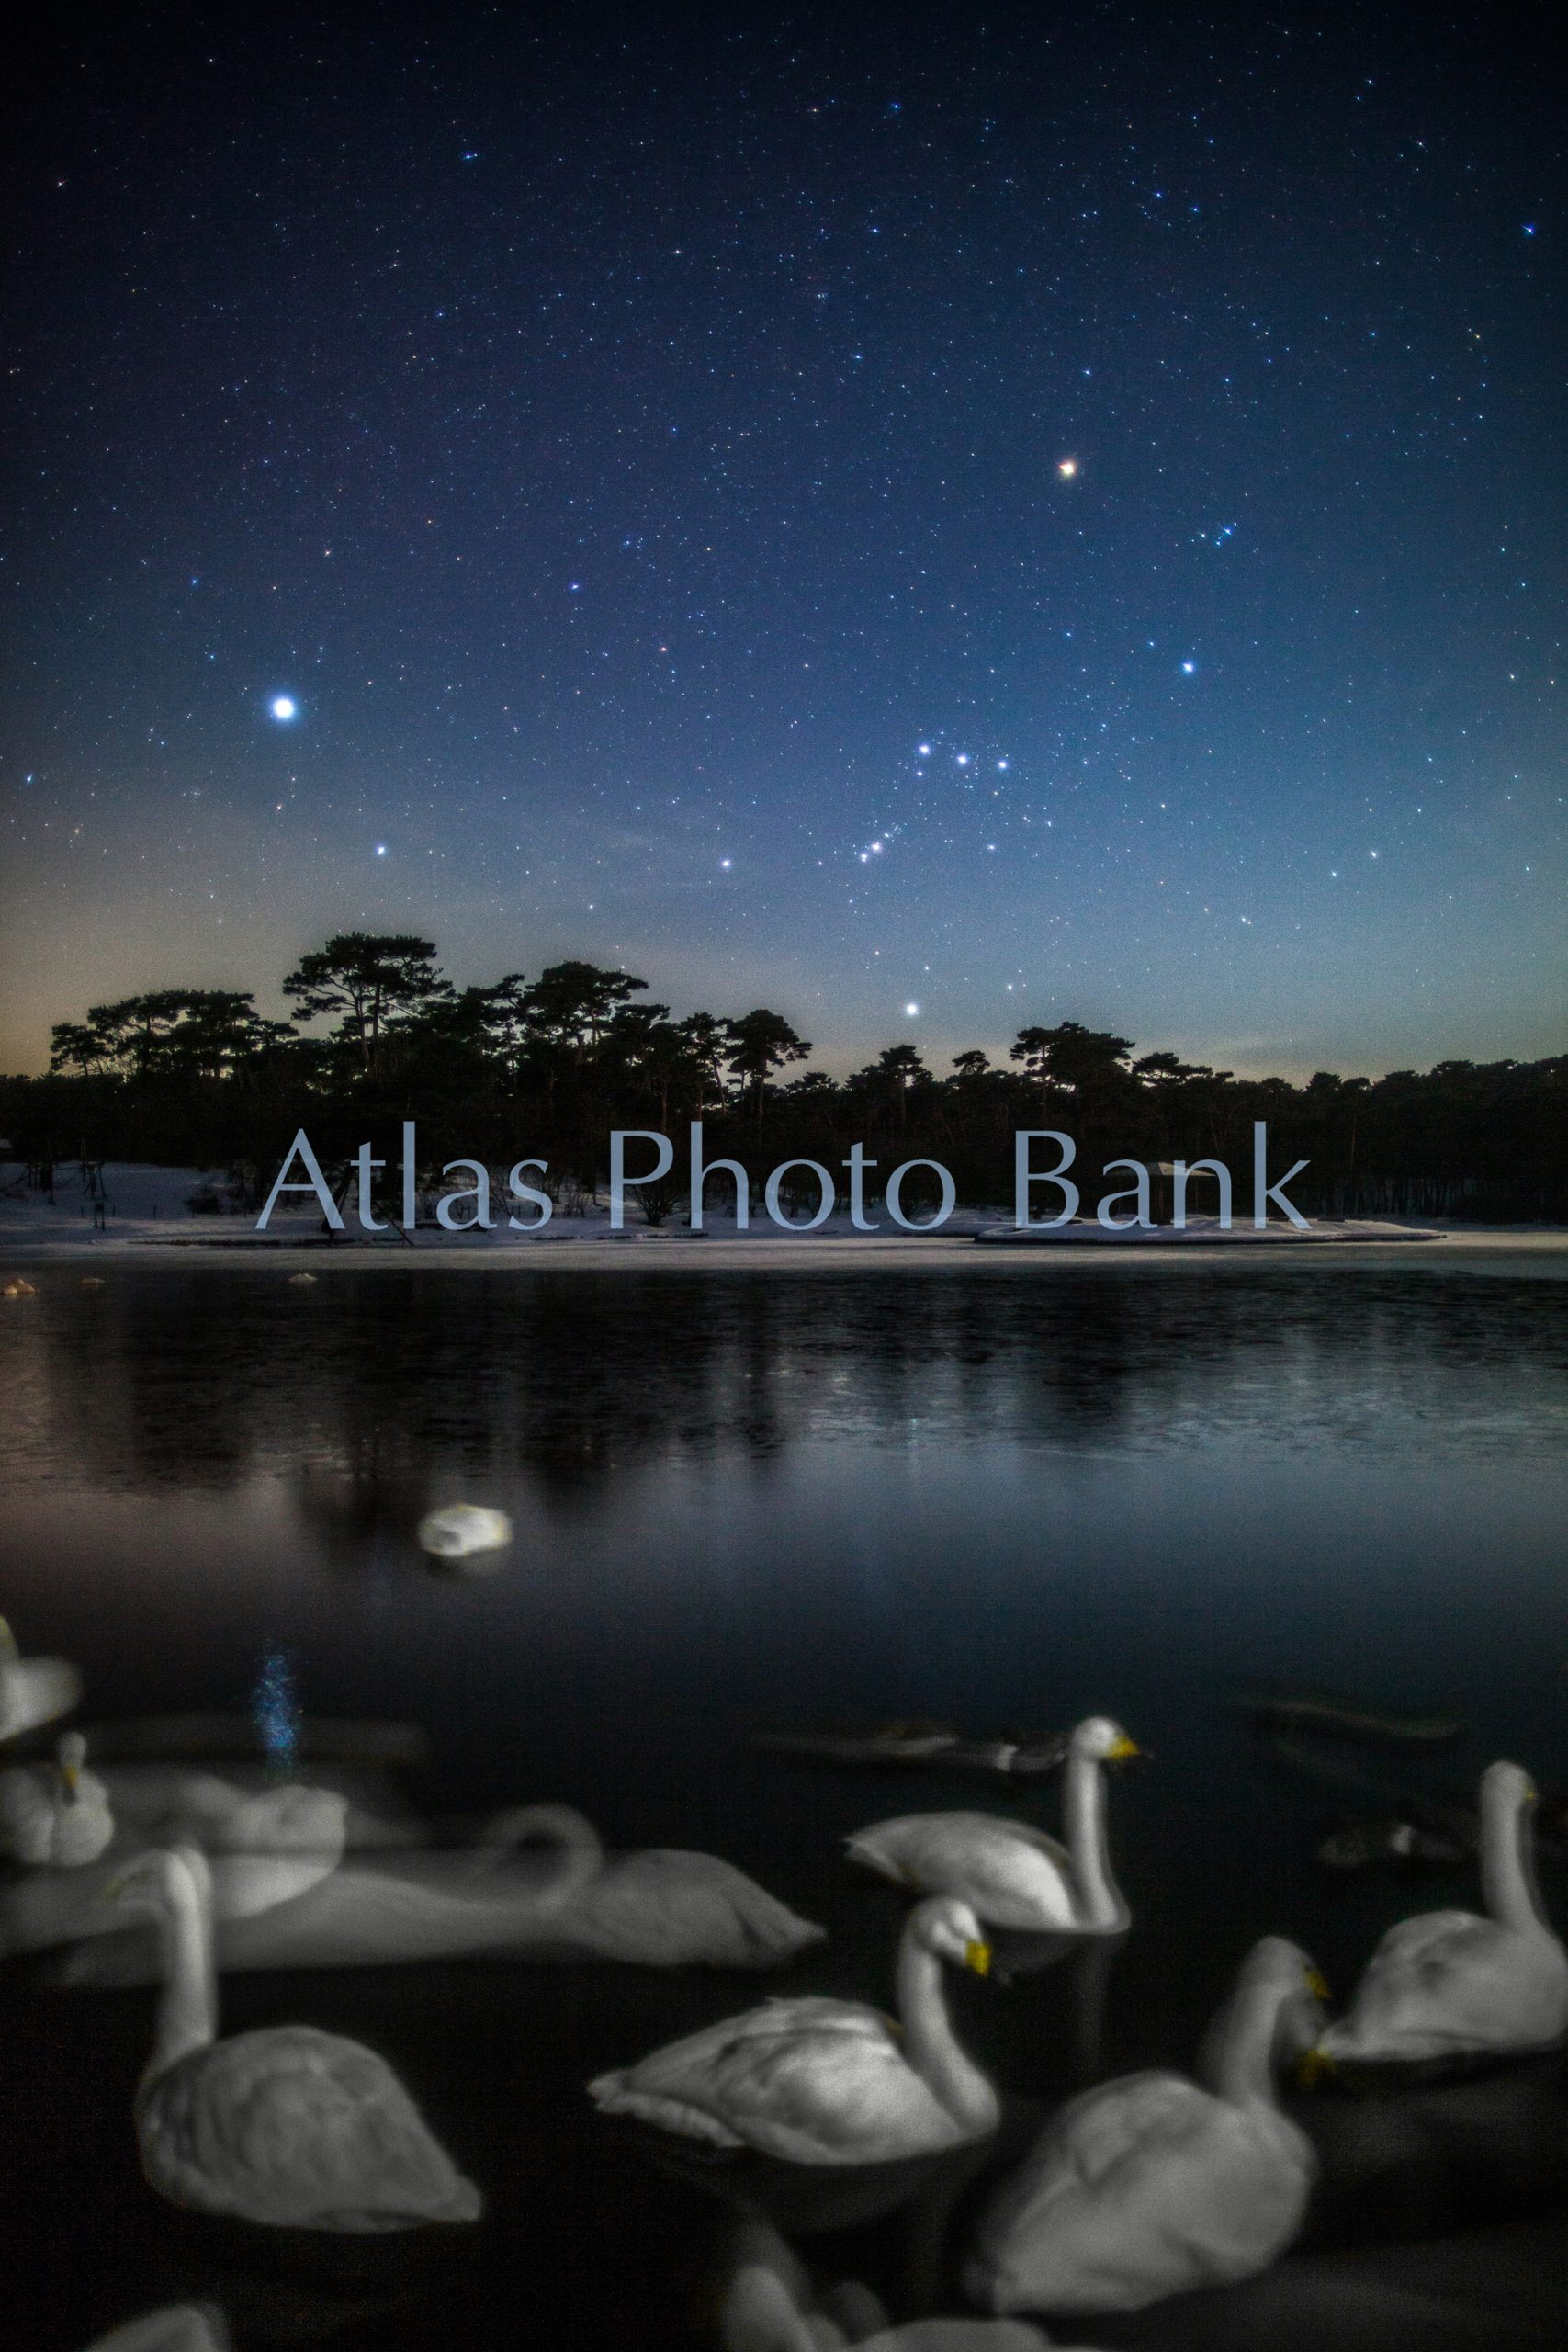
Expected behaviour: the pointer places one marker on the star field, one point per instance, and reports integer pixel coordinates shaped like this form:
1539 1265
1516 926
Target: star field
923 523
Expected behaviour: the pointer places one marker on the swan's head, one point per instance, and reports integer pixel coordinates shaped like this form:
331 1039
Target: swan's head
157 1879
1508 1787
71 1754
945 1926
1103 1742
7 1640
1282 1966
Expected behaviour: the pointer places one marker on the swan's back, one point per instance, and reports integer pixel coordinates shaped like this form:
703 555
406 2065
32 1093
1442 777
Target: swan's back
1448 1982
999 1866
814 2080
300 2128
663 1908
1137 2190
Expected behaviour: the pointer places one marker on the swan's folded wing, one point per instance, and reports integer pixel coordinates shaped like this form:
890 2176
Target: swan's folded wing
995 1864
663 1908
1140 2189
1450 1981
299 2129
798 2076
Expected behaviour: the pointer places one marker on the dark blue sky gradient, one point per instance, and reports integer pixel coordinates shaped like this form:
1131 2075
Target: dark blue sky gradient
630 435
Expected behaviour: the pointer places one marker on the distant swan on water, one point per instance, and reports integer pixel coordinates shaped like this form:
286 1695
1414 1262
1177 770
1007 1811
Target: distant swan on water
178 2327
1150 2186
33 1690
825 2082
1452 1983
286 2126
658 1906
1013 1875
55 1814
265 1846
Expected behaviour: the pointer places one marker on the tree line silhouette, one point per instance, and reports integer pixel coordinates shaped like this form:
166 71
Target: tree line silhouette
192 1077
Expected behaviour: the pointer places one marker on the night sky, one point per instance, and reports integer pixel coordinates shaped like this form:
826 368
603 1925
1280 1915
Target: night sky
930 520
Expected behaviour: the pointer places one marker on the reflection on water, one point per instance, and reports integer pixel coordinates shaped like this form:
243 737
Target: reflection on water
743 1503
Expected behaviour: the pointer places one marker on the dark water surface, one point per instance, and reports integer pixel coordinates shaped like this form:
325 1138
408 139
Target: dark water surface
750 1499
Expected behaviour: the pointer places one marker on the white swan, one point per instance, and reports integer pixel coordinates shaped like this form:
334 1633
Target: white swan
56 1813
1150 2186
657 1908
823 2082
178 2327
264 1847
1451 1983
285 2126
464 1530
33 1690
1012 1875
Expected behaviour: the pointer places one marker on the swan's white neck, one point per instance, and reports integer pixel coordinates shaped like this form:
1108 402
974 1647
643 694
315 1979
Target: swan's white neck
1240 2054
1083 1814
577 1842
188 2007
929 2044
1505 1884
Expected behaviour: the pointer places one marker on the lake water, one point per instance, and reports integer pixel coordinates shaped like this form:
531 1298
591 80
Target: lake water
752 1499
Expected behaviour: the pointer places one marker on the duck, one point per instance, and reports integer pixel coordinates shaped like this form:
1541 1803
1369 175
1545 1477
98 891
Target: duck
285 2125
1010 1874
177 2328
33 1690
1455 1984
55 1816
827 2082
1156 2184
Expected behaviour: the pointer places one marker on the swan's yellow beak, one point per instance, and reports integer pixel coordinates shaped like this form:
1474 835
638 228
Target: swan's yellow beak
1122 1748
1532 1794
70 1774
979 1958
1317 1984
1311 2068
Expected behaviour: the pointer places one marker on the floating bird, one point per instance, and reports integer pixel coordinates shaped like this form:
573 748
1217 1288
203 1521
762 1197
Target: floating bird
56 1814
936 1746
1360 1842
95 1282
286 2126
264 1847
301 1281
463 1530
659 1908
1452 1983
1151 2185
825 2082
178 2327
1015 1876
33 1690
18 1288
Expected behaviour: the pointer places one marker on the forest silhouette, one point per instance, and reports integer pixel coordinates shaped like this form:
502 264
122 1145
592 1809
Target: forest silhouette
549 1065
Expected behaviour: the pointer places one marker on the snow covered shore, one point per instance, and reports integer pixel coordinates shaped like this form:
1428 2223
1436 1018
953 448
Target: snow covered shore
149 1209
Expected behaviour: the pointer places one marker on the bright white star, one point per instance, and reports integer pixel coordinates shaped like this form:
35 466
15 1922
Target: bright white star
910 1011
284 706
